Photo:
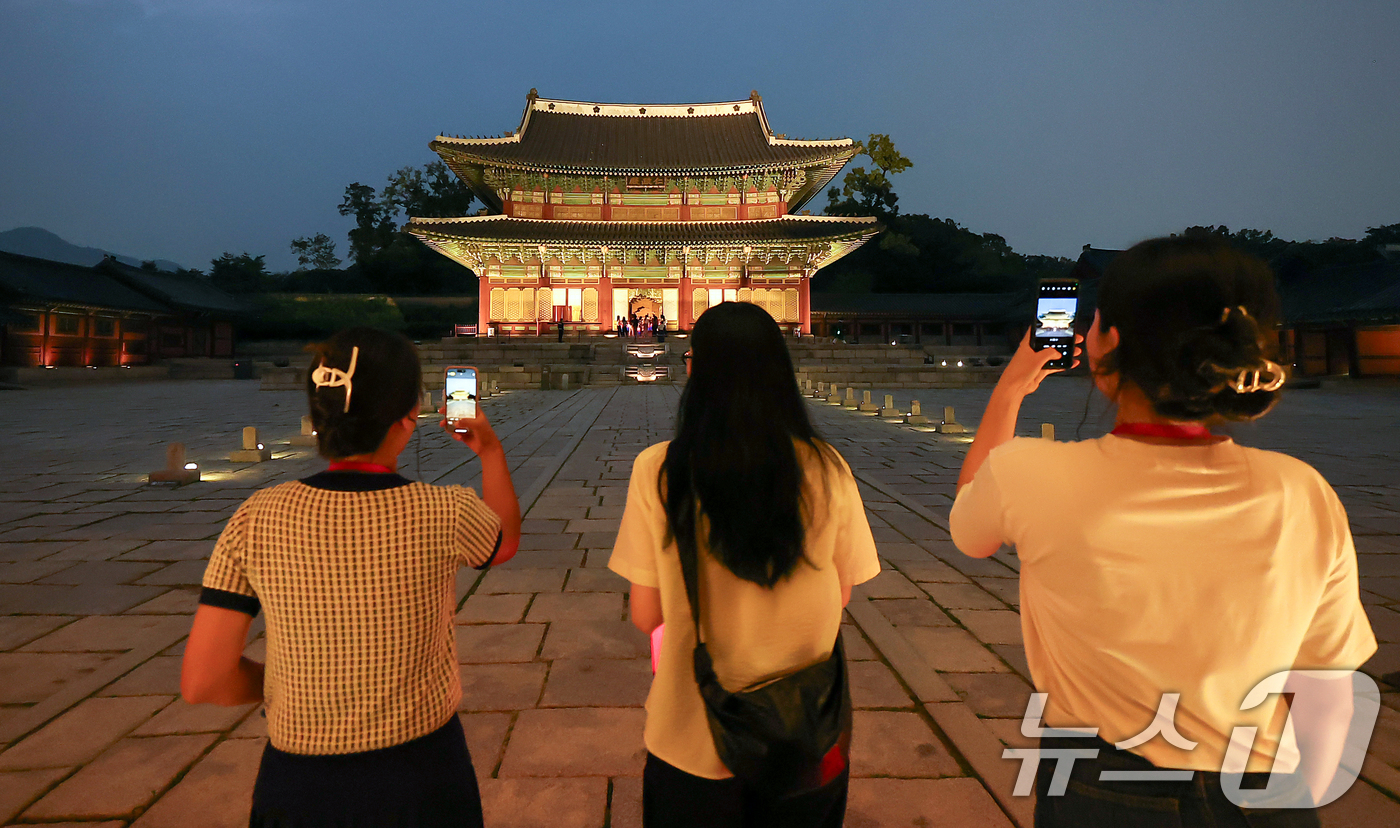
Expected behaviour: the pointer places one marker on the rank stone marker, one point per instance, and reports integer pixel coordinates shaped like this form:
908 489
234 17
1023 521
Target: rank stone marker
821 390
307 437
889 412
835 397
866 405
1047 431
176 470
950 425
252 451
915 416
850 401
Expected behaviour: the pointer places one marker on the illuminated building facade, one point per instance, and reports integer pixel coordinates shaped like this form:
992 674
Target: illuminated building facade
595 211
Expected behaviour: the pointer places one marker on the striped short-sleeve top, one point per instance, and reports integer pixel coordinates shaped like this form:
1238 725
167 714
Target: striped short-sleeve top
357 574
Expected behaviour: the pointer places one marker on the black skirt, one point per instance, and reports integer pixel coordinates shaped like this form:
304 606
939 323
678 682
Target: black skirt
424 783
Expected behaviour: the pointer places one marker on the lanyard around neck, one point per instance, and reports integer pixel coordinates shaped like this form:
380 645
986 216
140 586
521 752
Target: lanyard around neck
351 465
1171 430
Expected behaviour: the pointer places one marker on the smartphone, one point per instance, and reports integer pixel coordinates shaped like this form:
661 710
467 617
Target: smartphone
459 392
1056 304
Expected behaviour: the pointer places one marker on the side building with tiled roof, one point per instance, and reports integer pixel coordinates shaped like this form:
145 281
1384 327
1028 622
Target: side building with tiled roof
1337 320
56 314
957 320
599 211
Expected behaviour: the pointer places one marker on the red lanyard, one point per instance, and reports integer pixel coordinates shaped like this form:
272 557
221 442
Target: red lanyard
1175 432
348 465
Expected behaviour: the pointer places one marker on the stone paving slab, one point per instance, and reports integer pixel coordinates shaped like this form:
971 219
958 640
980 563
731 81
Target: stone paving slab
552 671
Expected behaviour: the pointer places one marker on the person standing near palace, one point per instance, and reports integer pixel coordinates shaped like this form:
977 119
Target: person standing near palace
772 515
356 569
1167 571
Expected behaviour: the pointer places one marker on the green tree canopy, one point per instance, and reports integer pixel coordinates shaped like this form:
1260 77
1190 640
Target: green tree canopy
240 274
315 252
869 192
391 260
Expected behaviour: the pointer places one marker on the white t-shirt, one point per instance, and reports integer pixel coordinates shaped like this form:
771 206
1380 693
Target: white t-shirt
1150 569
752 633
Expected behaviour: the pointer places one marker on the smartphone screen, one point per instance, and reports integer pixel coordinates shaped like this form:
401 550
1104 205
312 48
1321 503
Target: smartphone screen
1055 306
460 393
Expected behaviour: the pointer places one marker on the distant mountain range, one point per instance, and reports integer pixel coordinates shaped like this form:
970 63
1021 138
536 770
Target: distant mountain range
41 244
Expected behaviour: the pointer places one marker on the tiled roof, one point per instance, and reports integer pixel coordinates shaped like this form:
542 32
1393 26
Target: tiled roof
24 280
181 291
573 136
1346 293
507 228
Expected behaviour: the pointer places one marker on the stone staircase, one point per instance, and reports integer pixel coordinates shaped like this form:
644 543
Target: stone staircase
544 363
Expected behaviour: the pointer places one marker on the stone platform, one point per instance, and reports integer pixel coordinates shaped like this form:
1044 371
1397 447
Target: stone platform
538 363
99 575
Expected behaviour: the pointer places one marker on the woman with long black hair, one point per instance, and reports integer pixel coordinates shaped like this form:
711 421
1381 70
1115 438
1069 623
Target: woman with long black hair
1167 571
772 516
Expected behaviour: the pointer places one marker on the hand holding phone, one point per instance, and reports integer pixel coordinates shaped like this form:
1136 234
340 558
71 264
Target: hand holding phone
1056 305
460 392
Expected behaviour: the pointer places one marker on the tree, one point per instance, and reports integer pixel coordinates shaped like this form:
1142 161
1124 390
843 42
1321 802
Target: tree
390 259
240 274
869 192
315 253
430 192
374 221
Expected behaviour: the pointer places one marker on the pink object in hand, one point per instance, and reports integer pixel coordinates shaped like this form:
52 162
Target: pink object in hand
656 646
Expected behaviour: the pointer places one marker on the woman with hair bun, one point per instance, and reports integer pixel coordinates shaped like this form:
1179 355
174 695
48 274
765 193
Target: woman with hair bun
1166 570
356 568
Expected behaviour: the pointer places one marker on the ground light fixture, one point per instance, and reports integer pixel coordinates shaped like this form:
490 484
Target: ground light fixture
191 466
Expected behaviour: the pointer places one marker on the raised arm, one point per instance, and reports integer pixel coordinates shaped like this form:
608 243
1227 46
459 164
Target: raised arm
497 489
998 425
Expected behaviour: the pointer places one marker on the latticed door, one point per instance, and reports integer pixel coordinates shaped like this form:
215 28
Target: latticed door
590 304
544 305
700 302
498 304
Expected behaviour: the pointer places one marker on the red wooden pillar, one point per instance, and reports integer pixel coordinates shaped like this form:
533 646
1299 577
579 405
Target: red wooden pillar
687 307
483 303
606 316
804 304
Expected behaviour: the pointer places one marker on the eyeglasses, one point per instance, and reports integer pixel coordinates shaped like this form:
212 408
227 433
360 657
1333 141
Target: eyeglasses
686 356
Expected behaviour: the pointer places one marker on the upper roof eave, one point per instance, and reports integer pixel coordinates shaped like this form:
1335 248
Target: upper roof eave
597 138
835 158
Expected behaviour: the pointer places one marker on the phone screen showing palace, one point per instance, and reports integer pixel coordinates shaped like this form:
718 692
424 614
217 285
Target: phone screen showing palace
1055 307
460 393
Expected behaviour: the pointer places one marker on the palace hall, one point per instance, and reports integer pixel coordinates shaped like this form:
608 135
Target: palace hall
595 211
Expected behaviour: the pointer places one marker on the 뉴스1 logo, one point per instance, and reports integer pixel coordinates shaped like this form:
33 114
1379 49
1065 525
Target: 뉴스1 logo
1366 700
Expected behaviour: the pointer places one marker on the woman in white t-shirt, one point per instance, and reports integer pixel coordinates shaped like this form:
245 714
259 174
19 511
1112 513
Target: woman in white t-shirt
774 519
1166 570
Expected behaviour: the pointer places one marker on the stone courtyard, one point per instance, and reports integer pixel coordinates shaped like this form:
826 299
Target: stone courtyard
99 576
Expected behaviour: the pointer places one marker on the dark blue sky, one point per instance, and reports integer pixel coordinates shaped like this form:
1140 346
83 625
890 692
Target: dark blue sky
184 128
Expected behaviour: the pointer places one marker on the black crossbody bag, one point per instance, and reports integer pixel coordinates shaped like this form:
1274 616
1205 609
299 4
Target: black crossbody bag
784 738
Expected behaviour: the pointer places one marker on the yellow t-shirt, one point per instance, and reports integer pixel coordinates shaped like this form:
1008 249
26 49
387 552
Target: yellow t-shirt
752 633
1146 569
